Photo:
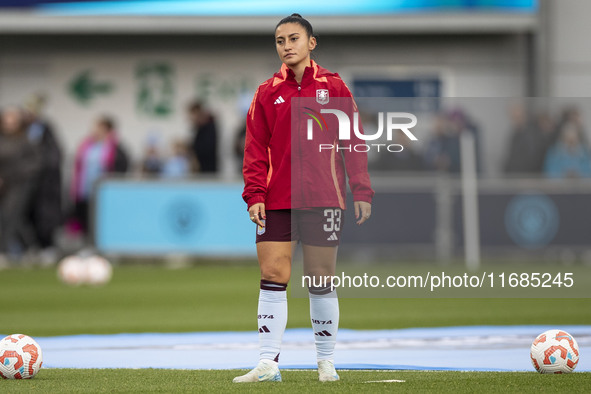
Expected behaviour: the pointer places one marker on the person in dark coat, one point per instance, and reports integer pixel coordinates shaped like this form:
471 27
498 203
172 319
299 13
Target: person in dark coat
45 210
525 144
204 142
239 143
438 152
406 160
19 170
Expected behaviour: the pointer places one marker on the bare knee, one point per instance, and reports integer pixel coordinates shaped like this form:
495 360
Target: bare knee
277 269
275 261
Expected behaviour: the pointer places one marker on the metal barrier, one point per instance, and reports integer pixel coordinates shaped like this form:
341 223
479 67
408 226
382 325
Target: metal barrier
415 216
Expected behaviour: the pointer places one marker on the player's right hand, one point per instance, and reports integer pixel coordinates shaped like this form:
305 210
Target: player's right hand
257 213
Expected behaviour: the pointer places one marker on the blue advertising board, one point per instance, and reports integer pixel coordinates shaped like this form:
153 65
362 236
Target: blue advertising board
416 87
158 218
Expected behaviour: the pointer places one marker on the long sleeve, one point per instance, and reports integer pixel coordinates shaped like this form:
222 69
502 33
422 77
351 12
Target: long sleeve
22 163
255 168
356 162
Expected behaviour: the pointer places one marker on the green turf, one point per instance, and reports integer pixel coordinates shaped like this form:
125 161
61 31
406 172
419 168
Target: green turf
224 297
143 381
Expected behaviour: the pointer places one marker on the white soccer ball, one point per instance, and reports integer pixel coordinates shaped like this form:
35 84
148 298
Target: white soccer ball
20 357
554 351
91 270
98 270
72 270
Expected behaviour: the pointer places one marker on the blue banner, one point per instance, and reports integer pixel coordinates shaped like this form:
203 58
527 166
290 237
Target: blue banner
157 218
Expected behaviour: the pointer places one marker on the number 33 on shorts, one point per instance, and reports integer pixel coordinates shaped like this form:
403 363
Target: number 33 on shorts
332 222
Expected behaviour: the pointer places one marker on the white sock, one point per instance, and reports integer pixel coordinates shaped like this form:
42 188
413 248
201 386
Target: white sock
324 313
272 318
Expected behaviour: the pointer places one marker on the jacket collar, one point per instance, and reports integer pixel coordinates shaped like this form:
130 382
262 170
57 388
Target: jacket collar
311 73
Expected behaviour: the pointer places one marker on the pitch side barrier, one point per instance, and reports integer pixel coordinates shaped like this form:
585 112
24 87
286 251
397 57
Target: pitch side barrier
533 241
415 216
525 218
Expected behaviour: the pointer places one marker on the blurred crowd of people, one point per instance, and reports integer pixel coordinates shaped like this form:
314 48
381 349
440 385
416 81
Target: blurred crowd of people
440 153
539 145
30 181
35 200
199 155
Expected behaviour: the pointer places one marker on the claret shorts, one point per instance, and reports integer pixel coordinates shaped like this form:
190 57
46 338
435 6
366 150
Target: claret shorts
314 226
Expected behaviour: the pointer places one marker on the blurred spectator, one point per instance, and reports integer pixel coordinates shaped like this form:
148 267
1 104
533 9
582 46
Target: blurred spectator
545 128
460 122
152 162
525 145
406 160
45 210
99 154
569 157
204 142
19 169
441 147
239 143
178 165
570 115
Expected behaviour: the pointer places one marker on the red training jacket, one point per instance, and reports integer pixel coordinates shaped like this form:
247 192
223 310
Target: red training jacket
316 179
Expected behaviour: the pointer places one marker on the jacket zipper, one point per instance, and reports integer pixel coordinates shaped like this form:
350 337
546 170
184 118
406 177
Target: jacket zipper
300 149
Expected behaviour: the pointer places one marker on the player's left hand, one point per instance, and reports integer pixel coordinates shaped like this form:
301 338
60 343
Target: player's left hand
362 211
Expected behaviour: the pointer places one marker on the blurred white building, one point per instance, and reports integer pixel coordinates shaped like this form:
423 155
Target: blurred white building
144 65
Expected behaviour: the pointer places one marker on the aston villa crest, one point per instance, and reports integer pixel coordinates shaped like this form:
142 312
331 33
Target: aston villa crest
322 96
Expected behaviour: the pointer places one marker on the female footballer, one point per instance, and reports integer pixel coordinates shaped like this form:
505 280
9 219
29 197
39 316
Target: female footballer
315 217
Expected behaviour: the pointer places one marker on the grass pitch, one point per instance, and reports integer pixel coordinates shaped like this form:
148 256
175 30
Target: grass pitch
223 297
166 381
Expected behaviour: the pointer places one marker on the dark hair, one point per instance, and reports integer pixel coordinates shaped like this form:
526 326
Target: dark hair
297 18
195 106
107 122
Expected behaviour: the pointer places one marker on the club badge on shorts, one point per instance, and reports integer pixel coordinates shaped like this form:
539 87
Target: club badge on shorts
261 230
322 96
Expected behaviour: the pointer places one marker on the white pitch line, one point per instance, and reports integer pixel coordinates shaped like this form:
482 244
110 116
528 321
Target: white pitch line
386 381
